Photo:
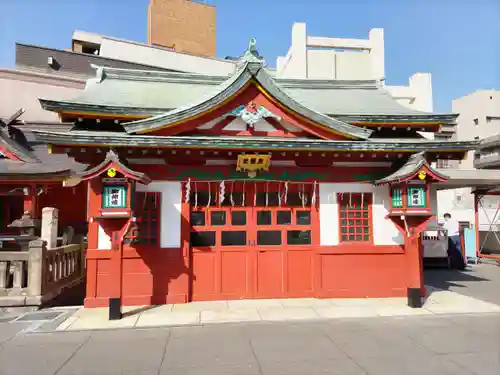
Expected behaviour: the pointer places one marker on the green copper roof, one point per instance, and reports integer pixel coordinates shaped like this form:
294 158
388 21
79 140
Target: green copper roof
249 71
147 93
112 139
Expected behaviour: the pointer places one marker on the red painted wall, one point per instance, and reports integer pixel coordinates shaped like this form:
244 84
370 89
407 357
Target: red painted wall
158 276
71 202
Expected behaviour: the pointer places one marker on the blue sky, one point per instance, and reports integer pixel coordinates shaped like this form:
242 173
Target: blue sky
458 41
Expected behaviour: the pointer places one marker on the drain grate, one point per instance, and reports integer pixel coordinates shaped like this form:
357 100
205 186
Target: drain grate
39 316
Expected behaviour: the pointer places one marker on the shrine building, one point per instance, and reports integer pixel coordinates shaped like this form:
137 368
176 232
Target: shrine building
249 186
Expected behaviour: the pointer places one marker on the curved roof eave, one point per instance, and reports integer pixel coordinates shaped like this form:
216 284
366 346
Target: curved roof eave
414 163
251 70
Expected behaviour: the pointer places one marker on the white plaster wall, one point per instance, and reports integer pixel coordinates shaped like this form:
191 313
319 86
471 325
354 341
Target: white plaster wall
353 65
103 240
320 64
384 231
328 215
170 219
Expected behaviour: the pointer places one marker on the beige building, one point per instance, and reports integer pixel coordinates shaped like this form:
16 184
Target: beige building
183 25
25 87
479 118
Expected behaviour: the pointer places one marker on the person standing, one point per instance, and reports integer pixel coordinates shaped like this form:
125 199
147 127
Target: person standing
454 244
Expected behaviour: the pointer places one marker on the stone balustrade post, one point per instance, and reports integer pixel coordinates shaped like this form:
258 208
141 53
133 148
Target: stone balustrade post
18 275
50 217
36 277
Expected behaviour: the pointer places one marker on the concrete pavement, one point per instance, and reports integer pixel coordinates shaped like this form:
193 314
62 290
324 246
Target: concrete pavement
410 345
200 313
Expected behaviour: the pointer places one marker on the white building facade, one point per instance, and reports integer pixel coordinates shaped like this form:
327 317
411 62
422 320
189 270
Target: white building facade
479 118
317 57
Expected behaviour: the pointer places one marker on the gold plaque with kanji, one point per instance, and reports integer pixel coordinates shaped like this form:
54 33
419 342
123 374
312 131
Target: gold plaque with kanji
253 163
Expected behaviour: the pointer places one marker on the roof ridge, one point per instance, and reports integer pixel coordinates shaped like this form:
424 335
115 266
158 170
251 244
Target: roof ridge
13 146
327 83
247 71
103 72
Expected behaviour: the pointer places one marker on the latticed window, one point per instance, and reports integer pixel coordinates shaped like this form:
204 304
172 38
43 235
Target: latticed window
397 197
355 217
147 213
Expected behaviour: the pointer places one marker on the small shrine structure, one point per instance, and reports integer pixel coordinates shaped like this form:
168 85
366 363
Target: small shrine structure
218 188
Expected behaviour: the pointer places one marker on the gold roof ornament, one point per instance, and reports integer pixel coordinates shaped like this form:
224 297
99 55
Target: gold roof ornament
253 163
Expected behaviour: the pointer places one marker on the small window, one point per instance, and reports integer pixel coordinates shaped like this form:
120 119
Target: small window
197 218
355 223
234 238
238 218
146 210
202 239
264 218
284 217
476 122
303 217
218 218
397 197
298 237
269 237
476 138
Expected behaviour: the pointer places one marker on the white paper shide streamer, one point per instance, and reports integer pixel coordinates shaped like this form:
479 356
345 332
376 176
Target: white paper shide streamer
188 191
313 198
222 192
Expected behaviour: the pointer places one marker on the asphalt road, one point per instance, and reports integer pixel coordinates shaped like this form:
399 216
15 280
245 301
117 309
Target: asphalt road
480 281
441 345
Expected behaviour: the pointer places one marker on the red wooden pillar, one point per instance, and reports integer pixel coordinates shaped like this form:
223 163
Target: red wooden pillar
186 254
414 262
93 202
476 224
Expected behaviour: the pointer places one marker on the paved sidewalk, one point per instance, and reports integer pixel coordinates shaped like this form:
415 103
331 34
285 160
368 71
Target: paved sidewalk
199 313
410 345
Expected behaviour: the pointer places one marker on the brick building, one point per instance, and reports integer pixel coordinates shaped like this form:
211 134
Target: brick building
183 25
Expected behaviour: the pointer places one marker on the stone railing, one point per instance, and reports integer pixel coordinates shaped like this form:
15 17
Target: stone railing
30 278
